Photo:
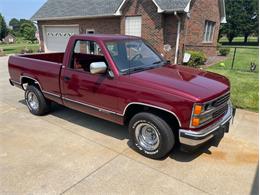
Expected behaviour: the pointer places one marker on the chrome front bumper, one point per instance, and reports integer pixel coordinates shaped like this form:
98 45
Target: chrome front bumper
195 138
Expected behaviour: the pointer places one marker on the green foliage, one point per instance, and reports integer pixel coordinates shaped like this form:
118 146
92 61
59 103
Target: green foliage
244 58
242 19
3 27
244 88
23 28
224 51
27 30
26 50
197 58
18 47
15 24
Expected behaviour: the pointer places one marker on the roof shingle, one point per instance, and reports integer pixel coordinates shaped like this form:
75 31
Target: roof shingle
54 9
172 5
76 8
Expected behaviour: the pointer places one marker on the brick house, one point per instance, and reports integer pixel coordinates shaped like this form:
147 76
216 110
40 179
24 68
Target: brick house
171 26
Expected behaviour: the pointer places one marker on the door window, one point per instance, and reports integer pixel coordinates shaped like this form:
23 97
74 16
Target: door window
84 53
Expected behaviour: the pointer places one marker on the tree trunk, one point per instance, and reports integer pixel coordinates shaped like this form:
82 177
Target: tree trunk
245 38
230 39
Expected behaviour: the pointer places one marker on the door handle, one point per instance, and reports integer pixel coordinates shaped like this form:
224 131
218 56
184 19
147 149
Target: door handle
66 78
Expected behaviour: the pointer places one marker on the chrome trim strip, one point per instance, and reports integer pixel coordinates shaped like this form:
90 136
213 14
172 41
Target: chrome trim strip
94 107
101 109
52 94
37 82
149 105
204 132
216 98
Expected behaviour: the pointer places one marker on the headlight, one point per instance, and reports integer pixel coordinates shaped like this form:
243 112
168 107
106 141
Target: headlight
201 115
204 113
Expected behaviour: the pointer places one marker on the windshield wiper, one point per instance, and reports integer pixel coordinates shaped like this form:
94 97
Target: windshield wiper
138 69
158 62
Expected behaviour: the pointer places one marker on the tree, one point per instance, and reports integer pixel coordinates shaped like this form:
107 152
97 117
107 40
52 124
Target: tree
231 28
242 19
15 24
249 18
28 30
3 27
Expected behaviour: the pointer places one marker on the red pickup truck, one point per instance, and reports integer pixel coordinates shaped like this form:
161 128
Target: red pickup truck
124 80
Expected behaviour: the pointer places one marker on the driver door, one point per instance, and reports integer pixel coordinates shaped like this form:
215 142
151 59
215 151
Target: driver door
85 91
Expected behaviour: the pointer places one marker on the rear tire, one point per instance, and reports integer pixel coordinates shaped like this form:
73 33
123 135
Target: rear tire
36 102
151 135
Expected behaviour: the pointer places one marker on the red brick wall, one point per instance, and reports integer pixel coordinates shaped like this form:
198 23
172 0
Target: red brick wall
152 22
158 29
100 25
202 10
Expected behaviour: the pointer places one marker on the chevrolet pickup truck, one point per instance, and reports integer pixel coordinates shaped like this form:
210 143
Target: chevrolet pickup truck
124 80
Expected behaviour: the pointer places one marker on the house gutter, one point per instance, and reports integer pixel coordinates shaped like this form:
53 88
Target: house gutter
178 38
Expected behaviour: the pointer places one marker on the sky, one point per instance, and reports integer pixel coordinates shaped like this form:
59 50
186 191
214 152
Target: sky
19 8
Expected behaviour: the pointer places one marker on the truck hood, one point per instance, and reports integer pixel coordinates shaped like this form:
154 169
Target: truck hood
188 82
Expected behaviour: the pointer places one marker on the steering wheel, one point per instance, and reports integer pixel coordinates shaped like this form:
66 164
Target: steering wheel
137 57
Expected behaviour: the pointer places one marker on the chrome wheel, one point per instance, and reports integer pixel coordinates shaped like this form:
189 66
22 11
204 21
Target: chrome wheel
147 136
32 101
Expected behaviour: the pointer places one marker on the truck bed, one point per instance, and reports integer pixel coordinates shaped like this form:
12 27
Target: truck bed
44 68
50 57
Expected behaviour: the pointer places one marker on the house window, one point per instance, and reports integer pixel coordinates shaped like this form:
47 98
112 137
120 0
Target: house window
133 26
209 31
90 31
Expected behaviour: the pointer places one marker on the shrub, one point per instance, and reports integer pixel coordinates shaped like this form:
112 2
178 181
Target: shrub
224 51
1 52
197 58
26 50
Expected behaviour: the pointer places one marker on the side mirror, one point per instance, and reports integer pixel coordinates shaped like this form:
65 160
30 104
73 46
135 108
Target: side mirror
98 67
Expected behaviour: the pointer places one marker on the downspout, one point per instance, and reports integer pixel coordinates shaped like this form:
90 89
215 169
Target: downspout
178 38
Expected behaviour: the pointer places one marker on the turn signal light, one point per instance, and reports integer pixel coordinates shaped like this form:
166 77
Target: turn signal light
195 122
197 109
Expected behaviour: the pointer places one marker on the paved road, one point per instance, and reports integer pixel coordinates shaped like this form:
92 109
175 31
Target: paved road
73 153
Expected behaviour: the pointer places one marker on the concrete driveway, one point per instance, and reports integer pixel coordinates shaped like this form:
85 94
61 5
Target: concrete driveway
73 153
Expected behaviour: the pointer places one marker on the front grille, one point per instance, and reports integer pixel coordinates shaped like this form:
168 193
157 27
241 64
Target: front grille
220 112
221 100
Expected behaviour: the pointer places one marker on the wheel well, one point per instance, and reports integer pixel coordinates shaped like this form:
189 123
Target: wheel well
29 81
167 116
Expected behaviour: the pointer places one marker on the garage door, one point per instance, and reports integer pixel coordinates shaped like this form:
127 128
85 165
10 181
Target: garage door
56 37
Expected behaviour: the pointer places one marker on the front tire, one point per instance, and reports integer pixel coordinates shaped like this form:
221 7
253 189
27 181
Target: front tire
151 135
36 102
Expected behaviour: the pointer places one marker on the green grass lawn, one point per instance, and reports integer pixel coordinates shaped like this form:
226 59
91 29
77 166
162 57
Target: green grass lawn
239 39
243 59
244 88
17 47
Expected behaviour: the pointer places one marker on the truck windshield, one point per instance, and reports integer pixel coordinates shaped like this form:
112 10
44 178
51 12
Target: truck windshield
133 55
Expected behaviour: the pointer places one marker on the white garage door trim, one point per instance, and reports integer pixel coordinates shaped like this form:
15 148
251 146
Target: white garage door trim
44 35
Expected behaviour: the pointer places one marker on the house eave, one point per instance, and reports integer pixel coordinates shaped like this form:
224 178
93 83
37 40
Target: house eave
159 9
223 20
118 11
73 17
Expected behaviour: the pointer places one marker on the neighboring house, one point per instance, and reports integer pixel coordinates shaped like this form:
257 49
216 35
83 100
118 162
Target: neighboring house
9 39
171 26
